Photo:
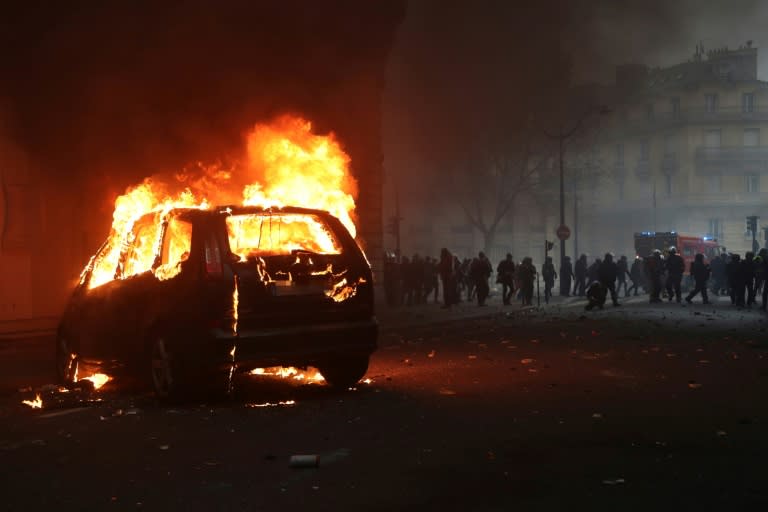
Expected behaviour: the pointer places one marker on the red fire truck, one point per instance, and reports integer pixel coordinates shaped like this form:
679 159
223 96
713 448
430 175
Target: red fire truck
688 246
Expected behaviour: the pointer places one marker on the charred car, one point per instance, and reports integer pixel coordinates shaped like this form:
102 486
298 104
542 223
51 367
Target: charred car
191 295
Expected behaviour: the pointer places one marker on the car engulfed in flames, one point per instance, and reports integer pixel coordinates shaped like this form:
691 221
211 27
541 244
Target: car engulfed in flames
187 293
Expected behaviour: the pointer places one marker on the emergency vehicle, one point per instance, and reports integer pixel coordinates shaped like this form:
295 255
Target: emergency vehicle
688 246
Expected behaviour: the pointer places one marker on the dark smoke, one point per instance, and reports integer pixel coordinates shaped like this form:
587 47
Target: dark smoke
115 91
604 33
461 70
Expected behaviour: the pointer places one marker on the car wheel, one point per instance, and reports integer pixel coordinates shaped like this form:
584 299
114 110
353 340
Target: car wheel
66 360
174 381
164 378
344 371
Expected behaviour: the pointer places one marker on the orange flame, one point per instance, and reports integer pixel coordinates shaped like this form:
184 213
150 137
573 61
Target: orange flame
98 380
301 169
37 403
285 372
285 164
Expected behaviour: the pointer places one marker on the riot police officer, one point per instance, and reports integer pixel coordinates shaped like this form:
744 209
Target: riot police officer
700 272
653 266
675 269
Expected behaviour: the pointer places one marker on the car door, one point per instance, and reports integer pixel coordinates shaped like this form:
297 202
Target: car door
93 302
136 288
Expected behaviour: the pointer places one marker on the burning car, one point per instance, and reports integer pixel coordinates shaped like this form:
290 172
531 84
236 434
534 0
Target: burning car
191 294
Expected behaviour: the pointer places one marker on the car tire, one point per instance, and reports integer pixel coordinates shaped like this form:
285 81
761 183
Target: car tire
66 360
163 369
174 381
344 371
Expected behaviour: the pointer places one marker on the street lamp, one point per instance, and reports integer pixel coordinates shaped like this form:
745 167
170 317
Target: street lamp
562 136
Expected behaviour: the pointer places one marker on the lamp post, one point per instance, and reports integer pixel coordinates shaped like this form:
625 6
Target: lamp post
561 137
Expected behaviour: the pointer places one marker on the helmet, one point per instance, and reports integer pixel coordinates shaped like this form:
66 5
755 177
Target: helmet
672 250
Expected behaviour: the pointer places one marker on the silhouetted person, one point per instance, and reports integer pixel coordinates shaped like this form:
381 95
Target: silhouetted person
748 273
580 275
566 277
430 279
526 273
417 279
653 266
760 274
466 278
392 277
445 269
719 274
735 280
596 296
406 274
505 275
675 269
480 271
621 278
636 274
763 266
607 273
549 275
593 272
700 272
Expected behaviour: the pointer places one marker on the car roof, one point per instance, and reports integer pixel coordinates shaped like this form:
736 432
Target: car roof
244 210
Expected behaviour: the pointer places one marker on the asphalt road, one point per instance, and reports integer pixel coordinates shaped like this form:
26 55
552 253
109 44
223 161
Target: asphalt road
633 408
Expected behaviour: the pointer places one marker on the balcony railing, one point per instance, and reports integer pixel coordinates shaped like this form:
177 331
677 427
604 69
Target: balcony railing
732 160
696 115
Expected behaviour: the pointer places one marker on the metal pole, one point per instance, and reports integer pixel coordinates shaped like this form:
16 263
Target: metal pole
562 197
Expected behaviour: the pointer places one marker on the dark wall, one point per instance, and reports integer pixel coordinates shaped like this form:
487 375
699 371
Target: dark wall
98 95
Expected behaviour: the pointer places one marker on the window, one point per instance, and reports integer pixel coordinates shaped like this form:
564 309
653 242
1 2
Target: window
669 145
715 228
177 243
748 102
712 138
142 245
715 184
265 234
710 103
675 107
645 150
751 137
668 184
620 154
752 183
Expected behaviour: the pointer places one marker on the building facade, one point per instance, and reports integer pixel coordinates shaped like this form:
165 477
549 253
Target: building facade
685 149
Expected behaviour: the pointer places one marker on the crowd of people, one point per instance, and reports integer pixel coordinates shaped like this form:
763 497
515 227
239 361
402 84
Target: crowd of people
661 275
417 280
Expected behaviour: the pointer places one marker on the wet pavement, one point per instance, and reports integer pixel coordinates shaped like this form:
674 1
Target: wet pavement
475 409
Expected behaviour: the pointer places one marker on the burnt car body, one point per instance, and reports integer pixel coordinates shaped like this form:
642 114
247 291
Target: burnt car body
205 301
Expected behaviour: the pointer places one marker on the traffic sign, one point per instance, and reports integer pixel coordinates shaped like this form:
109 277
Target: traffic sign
563 232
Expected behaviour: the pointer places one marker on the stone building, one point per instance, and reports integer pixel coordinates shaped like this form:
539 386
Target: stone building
685 149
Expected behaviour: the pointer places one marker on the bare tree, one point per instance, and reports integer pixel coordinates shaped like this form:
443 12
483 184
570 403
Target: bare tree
491 177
